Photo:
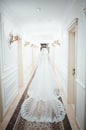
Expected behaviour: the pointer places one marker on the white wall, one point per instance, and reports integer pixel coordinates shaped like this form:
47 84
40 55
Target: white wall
62 59
9 76
30 56
61 64
27 62
11 57
43 32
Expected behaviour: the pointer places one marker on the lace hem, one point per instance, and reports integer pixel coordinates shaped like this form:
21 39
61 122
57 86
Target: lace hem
43 111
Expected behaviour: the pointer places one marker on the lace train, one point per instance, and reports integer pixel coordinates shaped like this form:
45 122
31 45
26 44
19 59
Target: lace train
43 111
43 104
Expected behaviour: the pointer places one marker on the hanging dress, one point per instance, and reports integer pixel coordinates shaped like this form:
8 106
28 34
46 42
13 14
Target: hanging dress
43 104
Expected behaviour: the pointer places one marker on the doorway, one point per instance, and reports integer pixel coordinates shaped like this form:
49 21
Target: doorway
1 108
1 102
72 45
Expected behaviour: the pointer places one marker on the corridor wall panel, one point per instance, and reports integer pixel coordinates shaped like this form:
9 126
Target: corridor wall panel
9 64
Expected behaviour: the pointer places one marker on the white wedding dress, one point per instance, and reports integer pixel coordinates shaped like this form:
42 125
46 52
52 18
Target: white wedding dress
43 104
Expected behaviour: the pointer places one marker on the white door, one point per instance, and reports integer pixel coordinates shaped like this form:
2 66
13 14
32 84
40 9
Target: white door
71 68
72 65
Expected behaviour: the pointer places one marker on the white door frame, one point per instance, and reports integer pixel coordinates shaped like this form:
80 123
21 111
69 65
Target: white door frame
85 96
20 65
72 28
1 102
85 79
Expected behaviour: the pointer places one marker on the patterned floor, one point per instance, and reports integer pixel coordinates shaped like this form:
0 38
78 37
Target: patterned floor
18 123
21 124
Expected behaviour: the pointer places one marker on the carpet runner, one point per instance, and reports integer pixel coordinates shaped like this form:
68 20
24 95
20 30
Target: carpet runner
18 123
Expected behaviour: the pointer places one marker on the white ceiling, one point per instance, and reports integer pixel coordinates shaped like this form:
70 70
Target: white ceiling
50 10
44 24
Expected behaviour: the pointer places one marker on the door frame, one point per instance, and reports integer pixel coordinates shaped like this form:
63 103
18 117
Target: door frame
1 102
72 28
85 82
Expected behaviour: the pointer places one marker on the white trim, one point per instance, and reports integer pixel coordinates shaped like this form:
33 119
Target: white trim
85 96
5 67
11 67
1 102
8 81
10 73
71 29
10 85
73 24
11 93
9 101
80 83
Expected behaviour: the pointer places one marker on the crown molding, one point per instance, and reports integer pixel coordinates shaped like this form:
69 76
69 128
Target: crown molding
73 24
84 11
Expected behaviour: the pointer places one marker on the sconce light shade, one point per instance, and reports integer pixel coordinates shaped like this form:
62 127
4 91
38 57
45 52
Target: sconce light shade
10 38
34 46
56 42
26 43
16 38
13 38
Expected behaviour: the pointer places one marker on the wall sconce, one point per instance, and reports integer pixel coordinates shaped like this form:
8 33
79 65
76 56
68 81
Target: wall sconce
10 38
55 43
34 46
26 43
84 11
13 38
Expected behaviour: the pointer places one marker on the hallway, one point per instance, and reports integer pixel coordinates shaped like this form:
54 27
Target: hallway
24 26
8 116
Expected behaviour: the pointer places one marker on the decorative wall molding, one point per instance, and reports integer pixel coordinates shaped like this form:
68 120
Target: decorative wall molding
9 72
10 68
3 42
8 101
80 105
9 92
9 87
8 80
73 24
80 83
4 66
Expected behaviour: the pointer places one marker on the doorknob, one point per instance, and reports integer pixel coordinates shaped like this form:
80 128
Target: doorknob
73 71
